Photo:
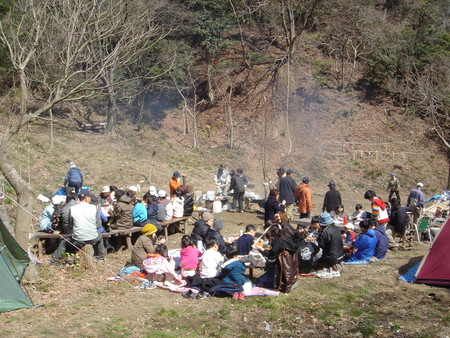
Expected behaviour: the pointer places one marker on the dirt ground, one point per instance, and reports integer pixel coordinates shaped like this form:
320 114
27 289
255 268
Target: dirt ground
364 301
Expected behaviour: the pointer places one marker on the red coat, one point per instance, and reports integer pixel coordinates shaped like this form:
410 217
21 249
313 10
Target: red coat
304 194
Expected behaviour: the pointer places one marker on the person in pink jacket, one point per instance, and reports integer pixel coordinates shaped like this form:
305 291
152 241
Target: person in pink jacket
160 268
189 256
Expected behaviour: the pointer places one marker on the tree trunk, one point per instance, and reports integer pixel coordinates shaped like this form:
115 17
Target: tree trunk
24 198
112 105
229 117
195 131
210 86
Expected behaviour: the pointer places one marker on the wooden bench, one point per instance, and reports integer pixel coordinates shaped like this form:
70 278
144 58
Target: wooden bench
176 222
42 236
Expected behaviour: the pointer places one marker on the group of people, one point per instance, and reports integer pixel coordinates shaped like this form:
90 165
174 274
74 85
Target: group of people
208 261
75 210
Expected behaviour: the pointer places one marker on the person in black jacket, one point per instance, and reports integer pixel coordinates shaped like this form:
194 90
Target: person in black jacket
272 206
287 193
330 241
215 232
237 185
332 198
202 226
399 219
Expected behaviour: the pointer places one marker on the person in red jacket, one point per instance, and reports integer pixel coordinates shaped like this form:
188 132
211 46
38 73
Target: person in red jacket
380 212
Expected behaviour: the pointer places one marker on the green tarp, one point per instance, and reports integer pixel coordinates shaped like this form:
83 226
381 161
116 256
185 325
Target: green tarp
13 261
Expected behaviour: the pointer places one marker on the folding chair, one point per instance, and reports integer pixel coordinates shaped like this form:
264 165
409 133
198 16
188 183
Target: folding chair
423 225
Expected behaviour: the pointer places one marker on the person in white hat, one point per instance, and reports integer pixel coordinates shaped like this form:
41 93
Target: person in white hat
105 196
45 223
133 191
161 214
152 190
416 201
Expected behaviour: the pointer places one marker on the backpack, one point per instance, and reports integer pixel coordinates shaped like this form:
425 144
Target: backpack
56 217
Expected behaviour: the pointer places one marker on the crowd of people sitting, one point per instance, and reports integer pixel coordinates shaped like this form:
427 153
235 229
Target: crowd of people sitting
214 264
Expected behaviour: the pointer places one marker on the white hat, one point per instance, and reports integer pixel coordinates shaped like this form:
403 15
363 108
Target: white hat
420 184
152 190
162 193
106 189
72 165
133 188
349 226
58 199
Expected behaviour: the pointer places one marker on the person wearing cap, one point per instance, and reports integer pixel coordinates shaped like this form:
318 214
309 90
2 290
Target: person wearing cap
122 214
144 245
416 201
74 178
215 232
287 192
304 196
332 198
85 222
393 187
152 190
45 223
161 213
330 241
105 197
132 191
174 183
222 180
202 226
238 187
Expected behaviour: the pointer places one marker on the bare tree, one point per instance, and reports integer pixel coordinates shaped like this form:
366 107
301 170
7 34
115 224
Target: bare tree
54 47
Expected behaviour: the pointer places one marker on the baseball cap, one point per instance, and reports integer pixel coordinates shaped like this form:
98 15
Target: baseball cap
162 193
176 174
332 183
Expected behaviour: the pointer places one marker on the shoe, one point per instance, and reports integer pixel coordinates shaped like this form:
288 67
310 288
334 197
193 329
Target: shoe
235 296
202 295
241 211
334 273
100 260
188 294
54 261
158 283
232 210
324 273
241 296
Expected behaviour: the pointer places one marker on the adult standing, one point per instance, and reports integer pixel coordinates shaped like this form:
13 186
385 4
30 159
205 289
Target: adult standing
380 212
174 183
393 187
304 196
85 222
332 198
74 178
222 180
416 201
287 192
237 185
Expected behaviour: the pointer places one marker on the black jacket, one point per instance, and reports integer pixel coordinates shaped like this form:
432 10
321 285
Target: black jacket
237 184
287 189
271 207
330 241
331 200
188 204
217 235
399 219
199 231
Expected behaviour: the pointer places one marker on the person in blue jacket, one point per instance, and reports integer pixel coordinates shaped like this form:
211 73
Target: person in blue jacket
74 178
382 241
365 243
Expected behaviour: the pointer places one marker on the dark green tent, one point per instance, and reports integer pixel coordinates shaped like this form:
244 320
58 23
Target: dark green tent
13 261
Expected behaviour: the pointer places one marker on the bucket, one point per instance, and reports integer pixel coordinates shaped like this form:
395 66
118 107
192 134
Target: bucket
210 195
217 207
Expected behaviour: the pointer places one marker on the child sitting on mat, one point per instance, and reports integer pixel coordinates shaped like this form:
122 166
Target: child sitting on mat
160 268
189 256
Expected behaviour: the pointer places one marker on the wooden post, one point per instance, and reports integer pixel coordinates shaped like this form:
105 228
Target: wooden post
87 257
